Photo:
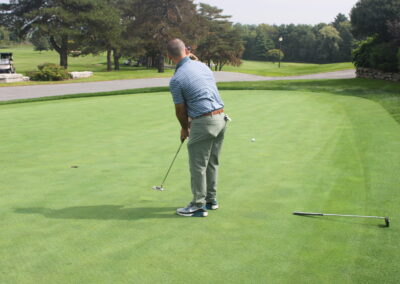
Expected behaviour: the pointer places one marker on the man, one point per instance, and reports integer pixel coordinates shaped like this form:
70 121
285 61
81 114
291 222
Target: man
196 97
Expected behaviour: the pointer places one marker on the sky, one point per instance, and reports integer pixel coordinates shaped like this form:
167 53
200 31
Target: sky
283 11
280 11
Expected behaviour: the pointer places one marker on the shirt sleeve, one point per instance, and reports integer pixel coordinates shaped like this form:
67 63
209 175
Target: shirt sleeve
176 92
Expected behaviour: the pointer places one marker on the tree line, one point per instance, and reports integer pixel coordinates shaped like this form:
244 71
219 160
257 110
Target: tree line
140 29
322 43
124 28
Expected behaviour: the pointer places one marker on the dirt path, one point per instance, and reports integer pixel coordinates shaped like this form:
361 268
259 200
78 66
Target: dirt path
36 91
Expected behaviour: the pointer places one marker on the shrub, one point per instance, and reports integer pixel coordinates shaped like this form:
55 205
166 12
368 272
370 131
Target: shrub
361 52
49 72
275 54
383 57
377 55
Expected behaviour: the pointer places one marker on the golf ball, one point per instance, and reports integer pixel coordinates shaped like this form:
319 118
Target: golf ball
253 139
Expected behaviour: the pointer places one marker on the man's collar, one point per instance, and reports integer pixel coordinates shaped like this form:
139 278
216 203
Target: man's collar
183 61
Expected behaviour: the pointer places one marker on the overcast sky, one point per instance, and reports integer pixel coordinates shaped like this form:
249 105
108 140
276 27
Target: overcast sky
280 11
283 11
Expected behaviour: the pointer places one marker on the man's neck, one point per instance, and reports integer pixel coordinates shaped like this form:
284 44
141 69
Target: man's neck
177 60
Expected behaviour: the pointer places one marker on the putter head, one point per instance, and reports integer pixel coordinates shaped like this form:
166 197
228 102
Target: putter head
159 188
387 221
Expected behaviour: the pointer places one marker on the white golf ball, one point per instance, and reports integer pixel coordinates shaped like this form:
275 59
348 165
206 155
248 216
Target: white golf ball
253 139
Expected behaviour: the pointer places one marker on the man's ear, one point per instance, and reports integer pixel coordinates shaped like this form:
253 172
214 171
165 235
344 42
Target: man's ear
187 52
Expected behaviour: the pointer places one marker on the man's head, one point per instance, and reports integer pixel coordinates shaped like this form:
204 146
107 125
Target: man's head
177 50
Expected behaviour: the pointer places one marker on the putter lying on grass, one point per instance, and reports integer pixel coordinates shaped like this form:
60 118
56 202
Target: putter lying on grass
387 221
161 188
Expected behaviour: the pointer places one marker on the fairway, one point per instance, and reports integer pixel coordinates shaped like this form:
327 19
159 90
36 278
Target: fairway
26 59
102 223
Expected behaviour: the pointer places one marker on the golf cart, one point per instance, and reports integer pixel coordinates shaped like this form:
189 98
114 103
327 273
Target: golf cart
6 63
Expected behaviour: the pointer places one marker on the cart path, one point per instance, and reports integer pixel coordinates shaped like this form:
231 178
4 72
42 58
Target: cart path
37 91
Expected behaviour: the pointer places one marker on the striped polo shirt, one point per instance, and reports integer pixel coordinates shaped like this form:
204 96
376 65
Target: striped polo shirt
194 85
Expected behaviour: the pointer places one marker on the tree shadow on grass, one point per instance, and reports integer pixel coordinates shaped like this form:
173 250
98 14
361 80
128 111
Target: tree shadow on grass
102 212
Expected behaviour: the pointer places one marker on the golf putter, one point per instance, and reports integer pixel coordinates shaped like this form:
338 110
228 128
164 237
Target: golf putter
161 187
387 220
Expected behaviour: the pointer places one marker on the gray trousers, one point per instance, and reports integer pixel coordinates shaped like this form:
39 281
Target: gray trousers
204 146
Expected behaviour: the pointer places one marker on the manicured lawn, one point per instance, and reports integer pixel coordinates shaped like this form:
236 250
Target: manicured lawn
287 68
27 60
326 151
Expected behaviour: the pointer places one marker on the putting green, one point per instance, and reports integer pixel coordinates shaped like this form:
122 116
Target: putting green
102 223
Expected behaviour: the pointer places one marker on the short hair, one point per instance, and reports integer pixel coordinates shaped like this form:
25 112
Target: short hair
176 48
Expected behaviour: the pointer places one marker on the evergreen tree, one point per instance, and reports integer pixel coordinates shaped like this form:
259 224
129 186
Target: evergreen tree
222 42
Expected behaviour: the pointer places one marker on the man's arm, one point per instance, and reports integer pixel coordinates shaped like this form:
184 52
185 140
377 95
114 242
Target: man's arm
181 114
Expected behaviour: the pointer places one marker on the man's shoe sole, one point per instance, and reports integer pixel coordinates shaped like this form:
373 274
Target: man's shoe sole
199 213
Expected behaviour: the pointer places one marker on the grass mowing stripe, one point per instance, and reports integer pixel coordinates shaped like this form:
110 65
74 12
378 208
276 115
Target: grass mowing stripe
101 221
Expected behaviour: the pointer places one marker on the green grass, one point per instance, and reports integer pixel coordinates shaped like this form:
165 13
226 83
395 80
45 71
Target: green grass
287 68
27 60
101 223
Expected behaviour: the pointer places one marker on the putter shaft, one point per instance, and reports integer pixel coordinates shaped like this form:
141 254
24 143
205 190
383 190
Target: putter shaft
177 152
387 220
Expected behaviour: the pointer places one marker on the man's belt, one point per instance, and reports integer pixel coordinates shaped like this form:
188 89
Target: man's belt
218 111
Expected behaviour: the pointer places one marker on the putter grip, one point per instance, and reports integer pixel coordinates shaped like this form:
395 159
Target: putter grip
307 214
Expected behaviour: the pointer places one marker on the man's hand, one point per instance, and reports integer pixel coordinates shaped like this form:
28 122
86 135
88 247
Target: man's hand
184 134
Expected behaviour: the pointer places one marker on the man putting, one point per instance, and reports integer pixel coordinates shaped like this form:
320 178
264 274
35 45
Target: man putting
196 98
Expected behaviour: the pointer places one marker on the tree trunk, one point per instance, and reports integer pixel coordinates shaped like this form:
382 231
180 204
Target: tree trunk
160 63
117 56
109 63
149 63
62 49
64 58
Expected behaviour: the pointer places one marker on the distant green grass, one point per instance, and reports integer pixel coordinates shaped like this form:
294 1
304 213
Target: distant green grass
101 223
287 68
26 59
383 92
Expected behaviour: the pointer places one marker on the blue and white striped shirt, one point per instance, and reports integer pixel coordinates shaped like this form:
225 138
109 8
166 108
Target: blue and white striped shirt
194 84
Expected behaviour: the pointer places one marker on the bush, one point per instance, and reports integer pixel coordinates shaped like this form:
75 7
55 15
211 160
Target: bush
361 53
383 57
49 72
275 55
377 55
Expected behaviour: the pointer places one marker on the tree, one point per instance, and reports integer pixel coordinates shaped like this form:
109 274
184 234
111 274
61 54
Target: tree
379 21
275 55
329 41
394 31
229 50
222 42
68 24
263 41
369 17
340 18
158 21
4 36
343 26
39 41
299 43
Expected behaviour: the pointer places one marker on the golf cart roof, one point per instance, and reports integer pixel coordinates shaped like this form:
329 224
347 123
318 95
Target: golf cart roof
5 55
